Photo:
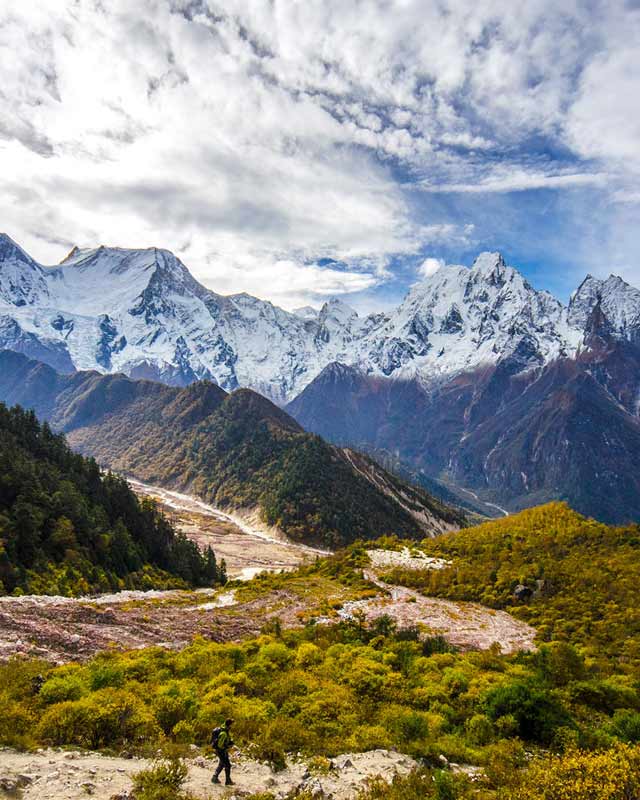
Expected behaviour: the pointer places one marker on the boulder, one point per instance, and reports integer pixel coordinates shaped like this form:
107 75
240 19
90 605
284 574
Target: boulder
522 592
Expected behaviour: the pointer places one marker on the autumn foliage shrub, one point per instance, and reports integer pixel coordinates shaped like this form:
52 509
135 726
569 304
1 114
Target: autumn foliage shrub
609 775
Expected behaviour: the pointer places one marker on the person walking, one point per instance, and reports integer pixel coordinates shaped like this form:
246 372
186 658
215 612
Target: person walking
222 743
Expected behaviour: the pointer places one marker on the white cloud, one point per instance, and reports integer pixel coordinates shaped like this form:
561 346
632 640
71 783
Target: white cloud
256 139
429 267
520 180
604 120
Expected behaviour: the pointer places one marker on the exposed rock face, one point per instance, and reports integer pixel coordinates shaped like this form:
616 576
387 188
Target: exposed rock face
522 592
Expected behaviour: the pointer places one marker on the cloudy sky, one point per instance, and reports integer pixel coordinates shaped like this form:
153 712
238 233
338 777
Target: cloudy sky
297 149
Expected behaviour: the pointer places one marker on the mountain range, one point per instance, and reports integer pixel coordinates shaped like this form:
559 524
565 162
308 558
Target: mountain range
476 378
238 451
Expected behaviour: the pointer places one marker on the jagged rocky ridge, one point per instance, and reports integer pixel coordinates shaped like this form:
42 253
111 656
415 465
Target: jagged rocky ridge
238 451
142 313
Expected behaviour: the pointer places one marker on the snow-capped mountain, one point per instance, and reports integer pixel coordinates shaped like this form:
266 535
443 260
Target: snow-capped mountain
459 318
619 302
142 313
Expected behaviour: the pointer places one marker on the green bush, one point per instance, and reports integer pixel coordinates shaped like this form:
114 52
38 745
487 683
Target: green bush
109 716
69 686
537 711
625 725
162 781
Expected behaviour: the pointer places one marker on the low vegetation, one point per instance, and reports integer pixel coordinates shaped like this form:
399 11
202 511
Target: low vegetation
327 689
580 578
163 781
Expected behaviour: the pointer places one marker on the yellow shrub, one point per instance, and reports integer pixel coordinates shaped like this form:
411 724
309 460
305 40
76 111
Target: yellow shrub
610 775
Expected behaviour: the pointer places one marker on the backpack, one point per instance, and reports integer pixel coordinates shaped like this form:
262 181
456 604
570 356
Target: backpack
215 735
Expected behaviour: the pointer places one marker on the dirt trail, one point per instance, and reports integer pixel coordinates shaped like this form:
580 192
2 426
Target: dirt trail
247 545
59 775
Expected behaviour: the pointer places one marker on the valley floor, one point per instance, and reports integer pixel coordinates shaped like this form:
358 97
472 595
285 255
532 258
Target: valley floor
66 629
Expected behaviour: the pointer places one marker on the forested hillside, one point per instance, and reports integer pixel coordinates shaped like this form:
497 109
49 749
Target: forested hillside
236 451
67 529
247 453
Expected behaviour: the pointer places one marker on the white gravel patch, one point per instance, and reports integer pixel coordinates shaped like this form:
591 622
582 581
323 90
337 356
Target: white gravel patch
405 558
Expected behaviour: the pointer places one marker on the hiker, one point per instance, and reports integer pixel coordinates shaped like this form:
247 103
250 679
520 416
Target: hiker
221 741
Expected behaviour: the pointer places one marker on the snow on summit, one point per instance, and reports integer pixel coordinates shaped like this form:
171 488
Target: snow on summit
141 312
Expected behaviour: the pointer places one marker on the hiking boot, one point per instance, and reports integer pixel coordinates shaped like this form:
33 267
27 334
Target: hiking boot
229 783
215 779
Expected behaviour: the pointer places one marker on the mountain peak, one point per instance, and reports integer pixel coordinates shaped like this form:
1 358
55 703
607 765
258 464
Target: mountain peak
306 312
22 280
5 239
254 408
141 312
336 302
488 262
9 250
618 300
338 310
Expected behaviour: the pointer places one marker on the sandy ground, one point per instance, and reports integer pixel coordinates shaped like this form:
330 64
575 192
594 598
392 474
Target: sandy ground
59 775
247 545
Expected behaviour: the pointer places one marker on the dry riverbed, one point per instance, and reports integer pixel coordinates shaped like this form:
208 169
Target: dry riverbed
63 629
247 545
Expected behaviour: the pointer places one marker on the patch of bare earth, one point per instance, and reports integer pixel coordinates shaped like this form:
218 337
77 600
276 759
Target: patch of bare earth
57 775
63 629
469 626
